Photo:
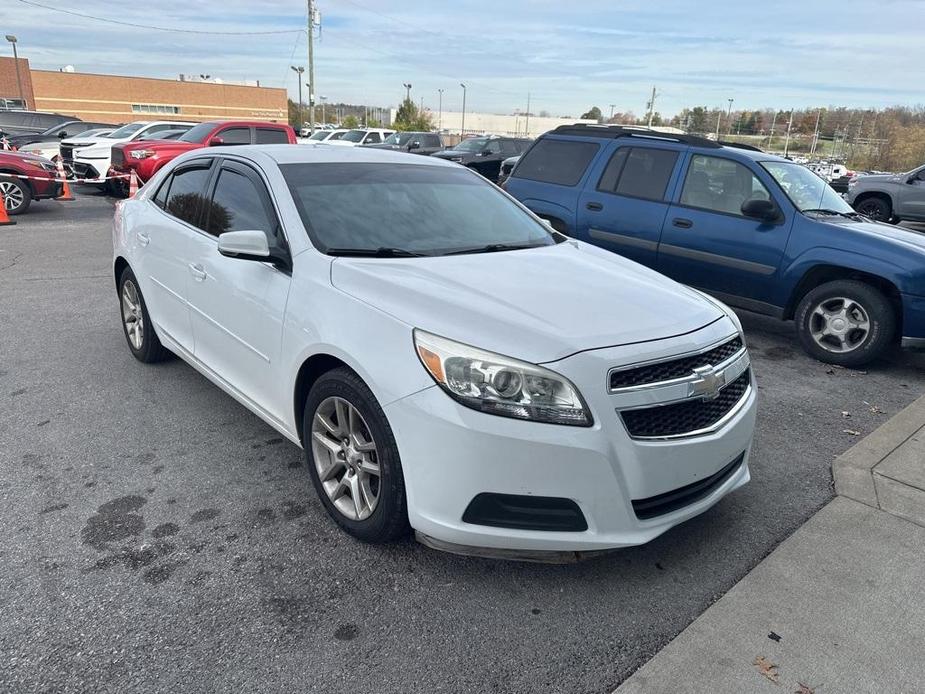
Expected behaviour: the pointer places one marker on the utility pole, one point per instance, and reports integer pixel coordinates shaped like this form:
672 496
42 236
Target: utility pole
299 70
440 110
311 65
719 117
651 105
527 126
787 140
421 111
812 150
773 123
729 117
22 95
612 107
462 129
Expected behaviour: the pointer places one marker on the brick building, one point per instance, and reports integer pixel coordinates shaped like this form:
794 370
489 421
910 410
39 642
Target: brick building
118 99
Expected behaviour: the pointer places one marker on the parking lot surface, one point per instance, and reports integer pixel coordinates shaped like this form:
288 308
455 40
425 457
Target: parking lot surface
159 537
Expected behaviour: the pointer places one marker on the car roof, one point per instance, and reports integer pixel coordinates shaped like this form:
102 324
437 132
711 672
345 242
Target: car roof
325 154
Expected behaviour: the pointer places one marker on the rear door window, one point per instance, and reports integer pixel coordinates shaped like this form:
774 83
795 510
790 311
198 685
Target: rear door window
562 162
272 136
235 136
639 172
372 139
184 198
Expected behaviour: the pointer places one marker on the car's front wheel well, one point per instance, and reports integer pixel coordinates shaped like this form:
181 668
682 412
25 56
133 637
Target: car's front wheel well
15 174
311 370
118 268
827 273
873 194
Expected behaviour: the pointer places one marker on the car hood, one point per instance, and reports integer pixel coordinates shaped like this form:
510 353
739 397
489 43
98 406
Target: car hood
540 304
452 154
382 146
160 145
894 234
84 141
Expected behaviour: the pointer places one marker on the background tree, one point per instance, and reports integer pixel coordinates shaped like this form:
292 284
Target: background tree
409 117
351 121
593 114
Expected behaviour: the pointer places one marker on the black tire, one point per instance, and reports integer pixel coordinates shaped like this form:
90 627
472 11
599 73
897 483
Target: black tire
16 195
149 350
117 187
881 318
876 208
389 518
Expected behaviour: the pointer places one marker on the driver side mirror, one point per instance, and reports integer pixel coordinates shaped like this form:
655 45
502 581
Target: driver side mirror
216 142
762 210
484 152
62 134
252 244
414 145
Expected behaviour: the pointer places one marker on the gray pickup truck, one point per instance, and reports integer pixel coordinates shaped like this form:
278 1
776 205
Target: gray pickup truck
889 197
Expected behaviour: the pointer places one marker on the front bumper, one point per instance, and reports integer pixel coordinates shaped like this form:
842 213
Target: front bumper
91 171
451 453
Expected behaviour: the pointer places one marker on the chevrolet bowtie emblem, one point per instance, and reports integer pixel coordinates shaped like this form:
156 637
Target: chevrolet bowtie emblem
708 383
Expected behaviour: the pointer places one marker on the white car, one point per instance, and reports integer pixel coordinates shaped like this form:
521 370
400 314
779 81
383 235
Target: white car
361 136
51 148
89 158
324 136
446 360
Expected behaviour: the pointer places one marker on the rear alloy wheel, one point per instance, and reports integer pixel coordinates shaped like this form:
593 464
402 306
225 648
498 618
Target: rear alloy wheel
353 459
16 195
845 322
136 323
877 209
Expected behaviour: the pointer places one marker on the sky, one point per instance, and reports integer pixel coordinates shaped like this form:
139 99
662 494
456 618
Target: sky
567 55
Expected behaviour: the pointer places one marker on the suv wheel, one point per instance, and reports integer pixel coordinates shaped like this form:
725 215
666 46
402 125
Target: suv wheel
876 209
16 195
353 458
845 322
136 323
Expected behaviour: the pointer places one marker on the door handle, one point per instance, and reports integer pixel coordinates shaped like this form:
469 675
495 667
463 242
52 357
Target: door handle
144 239
596 206
198 272
682 223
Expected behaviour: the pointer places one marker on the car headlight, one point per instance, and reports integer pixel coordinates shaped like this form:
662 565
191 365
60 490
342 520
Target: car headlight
46 165
499 385
142 153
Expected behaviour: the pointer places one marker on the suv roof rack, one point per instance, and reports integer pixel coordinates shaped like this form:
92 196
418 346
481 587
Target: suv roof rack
740 145
615 131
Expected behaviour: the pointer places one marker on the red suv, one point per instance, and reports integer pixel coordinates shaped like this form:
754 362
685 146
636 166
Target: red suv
39 181
146 157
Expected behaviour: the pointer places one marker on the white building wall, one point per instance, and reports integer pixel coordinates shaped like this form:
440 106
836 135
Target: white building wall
497 124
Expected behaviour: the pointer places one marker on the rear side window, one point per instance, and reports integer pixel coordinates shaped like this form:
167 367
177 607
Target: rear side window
372 139
557 161
272 136
432 140
185 195
235 136
639 172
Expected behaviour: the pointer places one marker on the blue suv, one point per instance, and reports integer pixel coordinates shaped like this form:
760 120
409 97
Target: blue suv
757 231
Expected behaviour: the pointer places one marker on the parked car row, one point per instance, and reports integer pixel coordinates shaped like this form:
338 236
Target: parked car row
755 230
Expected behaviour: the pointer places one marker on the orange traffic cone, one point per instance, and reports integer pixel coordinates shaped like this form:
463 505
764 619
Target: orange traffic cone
4 217
65 189
133 184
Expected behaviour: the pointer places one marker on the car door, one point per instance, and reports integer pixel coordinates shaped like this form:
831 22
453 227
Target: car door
488 161
237 306
163 239
708 243
623 208
910 196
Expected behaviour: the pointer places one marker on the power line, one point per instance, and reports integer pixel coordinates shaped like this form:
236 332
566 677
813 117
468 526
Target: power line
157 28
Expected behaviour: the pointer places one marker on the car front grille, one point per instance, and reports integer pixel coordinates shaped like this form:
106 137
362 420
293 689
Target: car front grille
674 368
118 156
685 418
678 498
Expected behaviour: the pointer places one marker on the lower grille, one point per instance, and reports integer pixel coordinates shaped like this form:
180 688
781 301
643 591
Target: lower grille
525 512
684 496
687 417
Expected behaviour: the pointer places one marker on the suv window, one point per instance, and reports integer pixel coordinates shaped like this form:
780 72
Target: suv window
562 162
238 204
508 148
235 136
184 195
432 140
493 146
272 136
720 185
639 172
372 139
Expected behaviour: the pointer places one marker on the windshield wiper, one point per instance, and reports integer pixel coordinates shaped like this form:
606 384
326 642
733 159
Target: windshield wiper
493 248
381 252
825 210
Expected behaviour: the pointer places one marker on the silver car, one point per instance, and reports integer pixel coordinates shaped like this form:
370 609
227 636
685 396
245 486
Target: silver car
889 197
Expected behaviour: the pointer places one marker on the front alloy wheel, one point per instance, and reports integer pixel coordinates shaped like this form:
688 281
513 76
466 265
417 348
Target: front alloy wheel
346 458
839 324
16 195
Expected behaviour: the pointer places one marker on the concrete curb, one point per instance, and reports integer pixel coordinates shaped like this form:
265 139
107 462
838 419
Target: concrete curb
886 470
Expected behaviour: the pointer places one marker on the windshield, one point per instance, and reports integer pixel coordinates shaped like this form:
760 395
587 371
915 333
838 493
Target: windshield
198 133
338 135
476 144
126 130
320 135
353 136
53 130
400 139
804 188
421 209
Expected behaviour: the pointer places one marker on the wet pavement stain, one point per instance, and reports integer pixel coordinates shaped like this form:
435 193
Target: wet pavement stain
162 572
346 632
293 510
52 509
115 520
204 514
165 530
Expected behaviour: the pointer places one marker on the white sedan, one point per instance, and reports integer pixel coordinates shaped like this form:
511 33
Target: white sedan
446 360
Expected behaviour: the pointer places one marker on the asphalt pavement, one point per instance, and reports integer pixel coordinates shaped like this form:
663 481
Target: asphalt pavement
159 537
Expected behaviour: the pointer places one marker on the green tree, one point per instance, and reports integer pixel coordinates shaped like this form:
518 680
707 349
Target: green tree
294 119
409 117
697 122
593 114
350 121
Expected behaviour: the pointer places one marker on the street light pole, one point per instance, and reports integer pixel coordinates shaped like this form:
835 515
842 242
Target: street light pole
311 65
407 86
440 110
462 130
22 94
299 70
729 117
527 124
324 120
